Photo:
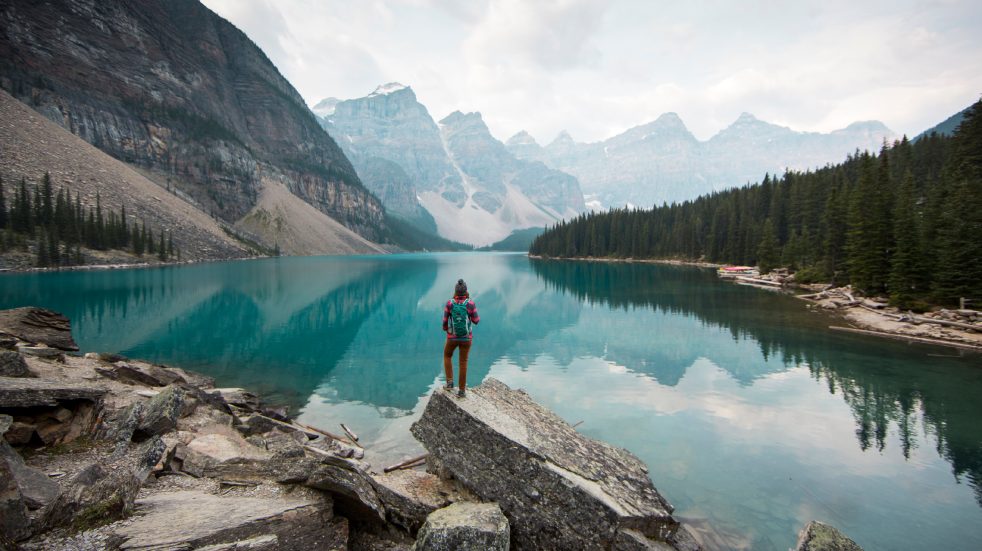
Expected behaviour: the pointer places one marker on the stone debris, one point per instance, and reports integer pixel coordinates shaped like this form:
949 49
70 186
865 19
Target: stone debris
464 527
817 536
38 325
559 489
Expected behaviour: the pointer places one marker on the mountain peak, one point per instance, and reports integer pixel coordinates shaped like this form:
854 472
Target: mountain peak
522 138
325 107
746 118
562 138
458 118
386 89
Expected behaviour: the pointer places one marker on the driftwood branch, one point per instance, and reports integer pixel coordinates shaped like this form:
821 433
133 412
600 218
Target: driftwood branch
337 437
347 431
924 340
407 464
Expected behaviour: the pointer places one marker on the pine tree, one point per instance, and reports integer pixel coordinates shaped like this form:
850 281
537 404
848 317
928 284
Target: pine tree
767 254
904 264
43 258
162 249
47 197
151 246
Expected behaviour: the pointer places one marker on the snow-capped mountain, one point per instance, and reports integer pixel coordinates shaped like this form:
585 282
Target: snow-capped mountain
455 179
662 161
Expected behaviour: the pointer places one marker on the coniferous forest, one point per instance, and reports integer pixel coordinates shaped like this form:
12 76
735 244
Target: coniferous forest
905 222
56 227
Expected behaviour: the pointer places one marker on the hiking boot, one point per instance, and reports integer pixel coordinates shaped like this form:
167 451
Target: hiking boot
448 387
461 393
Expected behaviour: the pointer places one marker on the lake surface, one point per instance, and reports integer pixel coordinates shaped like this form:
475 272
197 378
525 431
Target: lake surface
753 417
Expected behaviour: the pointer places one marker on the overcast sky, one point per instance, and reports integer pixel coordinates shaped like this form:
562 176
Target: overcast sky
598 67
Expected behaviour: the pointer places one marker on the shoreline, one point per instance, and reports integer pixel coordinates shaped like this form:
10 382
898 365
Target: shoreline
873 319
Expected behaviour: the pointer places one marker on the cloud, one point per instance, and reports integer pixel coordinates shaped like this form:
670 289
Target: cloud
598 67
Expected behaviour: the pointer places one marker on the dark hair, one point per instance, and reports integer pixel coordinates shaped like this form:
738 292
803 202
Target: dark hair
460 289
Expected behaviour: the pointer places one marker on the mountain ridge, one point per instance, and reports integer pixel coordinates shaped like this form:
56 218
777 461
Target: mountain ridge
176 90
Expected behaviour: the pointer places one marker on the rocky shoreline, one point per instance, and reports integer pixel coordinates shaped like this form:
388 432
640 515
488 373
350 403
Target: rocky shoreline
865 316
104 452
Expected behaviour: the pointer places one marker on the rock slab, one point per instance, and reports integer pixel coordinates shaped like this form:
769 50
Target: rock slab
818 536
464 527
558 488
37 325
192 519
18 392
12 365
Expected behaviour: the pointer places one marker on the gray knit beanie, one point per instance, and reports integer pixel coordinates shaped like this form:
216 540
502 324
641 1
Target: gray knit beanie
460 289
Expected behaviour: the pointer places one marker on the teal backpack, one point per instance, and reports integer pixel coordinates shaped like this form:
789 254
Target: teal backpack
459 320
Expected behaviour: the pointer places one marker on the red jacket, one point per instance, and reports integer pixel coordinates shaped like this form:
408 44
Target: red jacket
471 314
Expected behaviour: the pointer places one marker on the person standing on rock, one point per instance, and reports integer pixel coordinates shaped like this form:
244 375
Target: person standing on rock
459 317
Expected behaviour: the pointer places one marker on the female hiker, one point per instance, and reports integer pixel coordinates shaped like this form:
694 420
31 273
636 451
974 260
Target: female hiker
458 315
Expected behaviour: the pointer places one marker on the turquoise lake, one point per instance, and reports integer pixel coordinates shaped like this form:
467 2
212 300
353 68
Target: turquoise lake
752 416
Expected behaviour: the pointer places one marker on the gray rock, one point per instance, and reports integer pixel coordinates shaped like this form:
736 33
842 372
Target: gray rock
101 493
238 397
196 520
37 325
19 433
409 496
160 413
46 352
21 392
14 523
224 455
7 342
12 364
464 527
146 374
352 485
560 489
5 422
817 536
36 488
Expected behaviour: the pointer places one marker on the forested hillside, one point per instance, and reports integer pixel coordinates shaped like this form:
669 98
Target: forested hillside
905 222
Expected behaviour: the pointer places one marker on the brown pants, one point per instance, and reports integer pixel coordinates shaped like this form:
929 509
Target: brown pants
465 349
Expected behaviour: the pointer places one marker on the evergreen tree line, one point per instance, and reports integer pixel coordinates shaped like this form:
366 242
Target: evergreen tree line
906 222
61 226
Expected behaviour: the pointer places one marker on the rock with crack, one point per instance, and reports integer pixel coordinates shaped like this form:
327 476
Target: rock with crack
37 325
144 374
224 455
191 519
101 493
36 488
817 536
238 397
559 489
12 364
464 527
16 392
351 484
161 412
409 496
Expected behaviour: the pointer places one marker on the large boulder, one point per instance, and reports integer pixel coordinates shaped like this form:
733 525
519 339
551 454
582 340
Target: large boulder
225 455
36 488
559 489
409 496
14 523
18 392
103 492
37 325
818 536
464 527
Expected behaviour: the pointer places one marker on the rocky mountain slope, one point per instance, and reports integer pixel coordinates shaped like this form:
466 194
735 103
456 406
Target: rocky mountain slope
176 90
662 161
30 145
453 178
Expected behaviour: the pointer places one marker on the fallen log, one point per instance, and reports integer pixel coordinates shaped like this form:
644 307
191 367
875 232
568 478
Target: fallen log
330 435
409 463
310 435
910 338
918 319
348 432
760 281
